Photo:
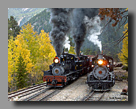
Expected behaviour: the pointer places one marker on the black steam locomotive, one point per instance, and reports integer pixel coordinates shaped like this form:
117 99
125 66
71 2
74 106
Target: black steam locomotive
66 68
102 76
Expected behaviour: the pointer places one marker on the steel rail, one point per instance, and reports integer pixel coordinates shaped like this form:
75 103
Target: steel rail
33 96
48 96
101 96
91 94
24 91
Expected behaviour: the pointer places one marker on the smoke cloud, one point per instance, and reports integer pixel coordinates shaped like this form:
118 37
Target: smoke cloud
93 30
60 27
71 20
78 25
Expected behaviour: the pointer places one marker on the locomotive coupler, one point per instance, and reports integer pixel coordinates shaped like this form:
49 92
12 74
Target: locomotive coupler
54 82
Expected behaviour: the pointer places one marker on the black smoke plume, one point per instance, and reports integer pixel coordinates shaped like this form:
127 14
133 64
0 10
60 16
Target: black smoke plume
78 26
60 27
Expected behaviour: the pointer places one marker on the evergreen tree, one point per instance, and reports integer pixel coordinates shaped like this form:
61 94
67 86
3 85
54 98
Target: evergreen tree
13 28
40 22
21 74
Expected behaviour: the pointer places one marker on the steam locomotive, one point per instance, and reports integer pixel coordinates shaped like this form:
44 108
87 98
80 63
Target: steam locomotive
102 76
66 68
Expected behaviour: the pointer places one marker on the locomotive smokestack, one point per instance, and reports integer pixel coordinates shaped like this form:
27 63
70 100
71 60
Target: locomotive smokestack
78 46
78 25
60 27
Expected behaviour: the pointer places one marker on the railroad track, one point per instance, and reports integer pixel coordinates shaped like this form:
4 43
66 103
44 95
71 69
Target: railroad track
25 92
33 93
45 97
25 89
94 96
31 97
42 95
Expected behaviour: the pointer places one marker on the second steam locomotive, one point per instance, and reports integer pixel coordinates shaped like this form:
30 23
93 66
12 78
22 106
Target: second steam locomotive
102 76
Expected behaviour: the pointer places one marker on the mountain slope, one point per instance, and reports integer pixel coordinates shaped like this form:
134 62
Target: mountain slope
22 15
41 21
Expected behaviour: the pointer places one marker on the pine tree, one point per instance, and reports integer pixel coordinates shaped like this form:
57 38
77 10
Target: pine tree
21 74
13 28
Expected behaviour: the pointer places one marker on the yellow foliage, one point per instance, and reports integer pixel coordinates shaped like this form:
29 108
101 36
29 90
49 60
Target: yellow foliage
124 52
36 51
72 51
11 62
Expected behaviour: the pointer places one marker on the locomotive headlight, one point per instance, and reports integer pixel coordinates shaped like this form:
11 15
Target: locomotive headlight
100 62
56 61
92 65
108 65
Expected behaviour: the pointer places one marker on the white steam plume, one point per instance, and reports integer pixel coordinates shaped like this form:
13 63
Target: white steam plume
93 30
67 43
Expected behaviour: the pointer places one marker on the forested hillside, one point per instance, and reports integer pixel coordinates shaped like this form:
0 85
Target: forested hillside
115 21
41 21
108 37
22 15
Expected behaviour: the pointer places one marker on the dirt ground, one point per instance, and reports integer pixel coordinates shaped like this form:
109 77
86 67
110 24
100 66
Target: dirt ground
78 90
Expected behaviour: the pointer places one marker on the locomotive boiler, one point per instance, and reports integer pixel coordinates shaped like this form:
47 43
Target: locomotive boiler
102 76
